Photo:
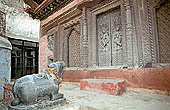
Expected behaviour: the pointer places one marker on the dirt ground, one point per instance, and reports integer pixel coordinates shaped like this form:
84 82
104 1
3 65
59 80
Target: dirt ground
131 100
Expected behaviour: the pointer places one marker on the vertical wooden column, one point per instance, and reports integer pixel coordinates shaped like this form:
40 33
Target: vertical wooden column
129 34
85 38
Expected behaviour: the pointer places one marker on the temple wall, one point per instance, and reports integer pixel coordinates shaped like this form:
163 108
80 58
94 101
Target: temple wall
114 34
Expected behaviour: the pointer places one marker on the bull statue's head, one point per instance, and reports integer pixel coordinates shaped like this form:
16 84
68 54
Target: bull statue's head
57 69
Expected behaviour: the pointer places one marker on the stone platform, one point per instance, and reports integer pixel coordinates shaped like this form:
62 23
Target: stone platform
40 105
106 86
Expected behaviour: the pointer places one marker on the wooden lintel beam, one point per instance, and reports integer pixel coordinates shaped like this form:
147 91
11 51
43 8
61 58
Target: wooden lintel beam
31 3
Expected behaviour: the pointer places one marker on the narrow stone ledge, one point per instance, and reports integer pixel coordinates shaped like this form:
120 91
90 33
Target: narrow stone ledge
106 86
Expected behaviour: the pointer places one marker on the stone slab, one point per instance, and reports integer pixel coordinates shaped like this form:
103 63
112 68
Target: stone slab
106 86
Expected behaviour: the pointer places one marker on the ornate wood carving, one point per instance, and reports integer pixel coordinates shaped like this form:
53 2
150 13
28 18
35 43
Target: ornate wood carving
46 8
163 24
116 32
129 33
51 42
104 39
104 2
152 40
71 44
84 38
109 31
74 49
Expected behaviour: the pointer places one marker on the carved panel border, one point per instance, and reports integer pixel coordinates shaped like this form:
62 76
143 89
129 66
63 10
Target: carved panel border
153 5
92 31
66 30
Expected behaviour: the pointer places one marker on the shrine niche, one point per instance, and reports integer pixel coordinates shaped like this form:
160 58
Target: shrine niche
74 49
71 43
163 27
109 32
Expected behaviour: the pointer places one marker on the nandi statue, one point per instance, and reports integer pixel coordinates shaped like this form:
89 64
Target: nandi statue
43 86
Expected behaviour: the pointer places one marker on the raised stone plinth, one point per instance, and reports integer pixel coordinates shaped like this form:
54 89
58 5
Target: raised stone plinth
106 86
45 104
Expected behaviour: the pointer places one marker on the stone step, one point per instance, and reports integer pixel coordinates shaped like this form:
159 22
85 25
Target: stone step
106 86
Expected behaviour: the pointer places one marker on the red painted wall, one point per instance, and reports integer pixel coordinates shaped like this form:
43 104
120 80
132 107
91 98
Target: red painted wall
153 78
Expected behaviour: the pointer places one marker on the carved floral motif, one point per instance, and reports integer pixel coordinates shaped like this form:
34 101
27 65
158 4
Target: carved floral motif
51 42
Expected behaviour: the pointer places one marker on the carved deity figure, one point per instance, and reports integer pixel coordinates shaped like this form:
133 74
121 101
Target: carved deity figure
104 38
117 39
51 42
43 86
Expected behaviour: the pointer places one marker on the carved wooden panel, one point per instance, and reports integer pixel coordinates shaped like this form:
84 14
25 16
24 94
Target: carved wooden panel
104 39
74 49
51 42
116 35
109 30
163 23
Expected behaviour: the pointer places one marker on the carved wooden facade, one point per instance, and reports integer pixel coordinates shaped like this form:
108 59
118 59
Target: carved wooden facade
109 32
114 33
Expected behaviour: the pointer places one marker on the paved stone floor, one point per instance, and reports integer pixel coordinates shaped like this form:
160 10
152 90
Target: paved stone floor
85 100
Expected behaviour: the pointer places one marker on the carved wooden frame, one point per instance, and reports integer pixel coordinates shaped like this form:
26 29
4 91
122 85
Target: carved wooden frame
154 5
93 30
67 29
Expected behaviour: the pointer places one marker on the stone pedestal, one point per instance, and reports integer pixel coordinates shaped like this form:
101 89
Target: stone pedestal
106 86
41 104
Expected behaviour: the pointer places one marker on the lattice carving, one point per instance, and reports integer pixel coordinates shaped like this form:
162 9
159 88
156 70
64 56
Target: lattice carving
109 31
163 22
116 32
104 39
74 49
51 42
2 22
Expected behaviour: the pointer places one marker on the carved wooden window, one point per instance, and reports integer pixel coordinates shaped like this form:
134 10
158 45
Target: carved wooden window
109 31
2 22
74 49
163 24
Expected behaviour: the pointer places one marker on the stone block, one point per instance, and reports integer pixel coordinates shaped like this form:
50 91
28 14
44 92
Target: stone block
106 86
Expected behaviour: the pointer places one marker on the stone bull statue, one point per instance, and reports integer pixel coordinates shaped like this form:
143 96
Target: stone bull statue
45 85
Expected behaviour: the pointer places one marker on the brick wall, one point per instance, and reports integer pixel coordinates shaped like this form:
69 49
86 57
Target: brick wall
44 52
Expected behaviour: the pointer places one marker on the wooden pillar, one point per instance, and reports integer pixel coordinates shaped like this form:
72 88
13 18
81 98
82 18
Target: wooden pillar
129 34
85 38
